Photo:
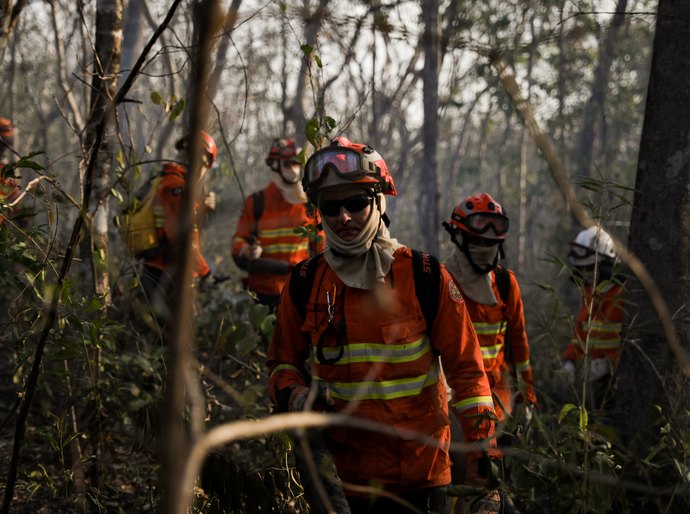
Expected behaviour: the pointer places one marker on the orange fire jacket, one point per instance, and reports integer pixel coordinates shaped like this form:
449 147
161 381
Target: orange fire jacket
599 331
389 372
493 323
167 208
275 232
9 191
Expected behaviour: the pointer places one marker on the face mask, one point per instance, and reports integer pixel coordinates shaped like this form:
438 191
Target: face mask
483 256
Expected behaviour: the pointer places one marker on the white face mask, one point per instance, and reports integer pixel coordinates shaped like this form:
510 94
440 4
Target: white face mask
483 256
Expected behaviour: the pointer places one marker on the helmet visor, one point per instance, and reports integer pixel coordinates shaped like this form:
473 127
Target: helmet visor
481 222
579 252
344 162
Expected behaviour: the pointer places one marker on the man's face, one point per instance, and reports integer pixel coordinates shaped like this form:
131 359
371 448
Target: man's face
346 211
290 170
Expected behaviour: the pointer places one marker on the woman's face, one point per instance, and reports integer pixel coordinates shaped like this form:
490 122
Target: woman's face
346 211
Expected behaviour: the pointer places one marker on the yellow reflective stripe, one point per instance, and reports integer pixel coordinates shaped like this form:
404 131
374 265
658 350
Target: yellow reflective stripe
285 248
384 389
491 352
522 366
604 326
284 367
605 344
475 401
489 329
158 214
277 232
373 352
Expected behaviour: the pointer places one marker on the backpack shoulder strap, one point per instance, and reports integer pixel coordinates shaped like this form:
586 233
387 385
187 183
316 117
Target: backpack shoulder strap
302 281
503 285
258 204
503 282
427 284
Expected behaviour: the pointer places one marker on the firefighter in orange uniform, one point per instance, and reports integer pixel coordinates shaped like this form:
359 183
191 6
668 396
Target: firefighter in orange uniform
599 321
361 339
9 187
158 265
478 226
265 243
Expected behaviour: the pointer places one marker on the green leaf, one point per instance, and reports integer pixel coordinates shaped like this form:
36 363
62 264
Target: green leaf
584 418
267 326
312 131
177 110
306 49
156 98
565 410
318 61
117 195
329 123
246 345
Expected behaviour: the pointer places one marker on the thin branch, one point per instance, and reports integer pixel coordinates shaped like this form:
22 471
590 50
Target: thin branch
70 252
561 177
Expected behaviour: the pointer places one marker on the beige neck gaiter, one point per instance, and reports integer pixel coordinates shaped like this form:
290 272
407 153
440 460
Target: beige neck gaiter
365 260
293 193
476 287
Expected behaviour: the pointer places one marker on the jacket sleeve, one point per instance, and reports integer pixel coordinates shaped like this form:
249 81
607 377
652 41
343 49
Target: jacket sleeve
245 230
574 351
453 337
288 352
518 339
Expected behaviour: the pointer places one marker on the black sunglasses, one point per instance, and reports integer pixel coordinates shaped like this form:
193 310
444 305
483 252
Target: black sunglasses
352 204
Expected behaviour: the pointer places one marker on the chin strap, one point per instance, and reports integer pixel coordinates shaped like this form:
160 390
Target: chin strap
464 248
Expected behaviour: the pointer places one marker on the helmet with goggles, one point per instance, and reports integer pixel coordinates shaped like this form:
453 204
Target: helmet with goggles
283 149
479 215
6 128
590 246
208 146
346 163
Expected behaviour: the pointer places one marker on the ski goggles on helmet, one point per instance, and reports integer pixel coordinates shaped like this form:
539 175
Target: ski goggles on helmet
579 252
352 204
347 163
481 222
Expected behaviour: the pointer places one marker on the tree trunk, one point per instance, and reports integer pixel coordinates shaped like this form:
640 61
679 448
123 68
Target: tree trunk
593 119
660 234
104 89
9 15
182 381
428 187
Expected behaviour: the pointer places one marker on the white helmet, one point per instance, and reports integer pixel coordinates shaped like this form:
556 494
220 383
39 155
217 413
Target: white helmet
592 245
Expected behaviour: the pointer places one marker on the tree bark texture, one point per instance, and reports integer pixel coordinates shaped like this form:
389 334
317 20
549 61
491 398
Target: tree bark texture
429 222
104 88
660 230
594 119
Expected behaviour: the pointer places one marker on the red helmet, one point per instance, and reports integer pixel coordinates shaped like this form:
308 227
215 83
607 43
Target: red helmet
6 128
478 214
207 143
345 162
283 149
